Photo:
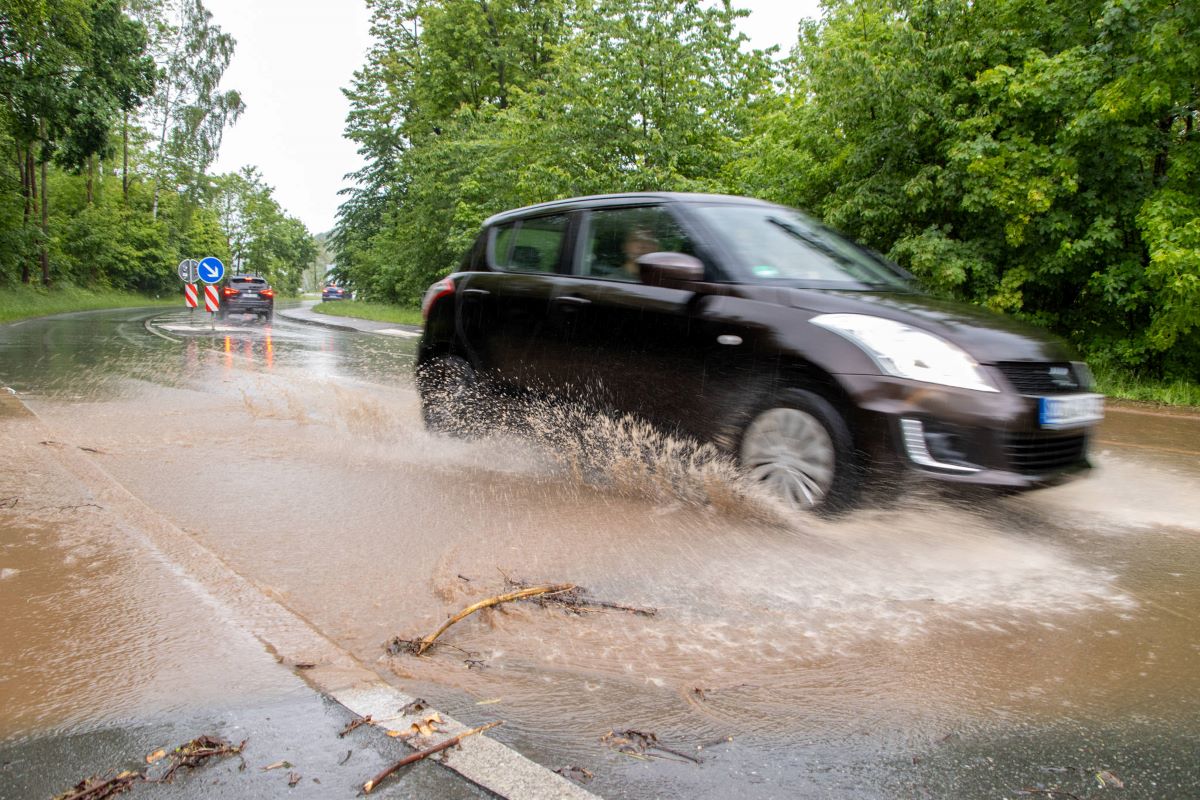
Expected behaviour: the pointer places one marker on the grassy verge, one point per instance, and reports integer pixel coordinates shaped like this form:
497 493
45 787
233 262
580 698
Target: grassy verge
379 312
1126 386
22 302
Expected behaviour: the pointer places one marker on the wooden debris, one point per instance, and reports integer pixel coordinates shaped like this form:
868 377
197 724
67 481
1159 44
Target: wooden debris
426 753
157 755
293 778
355 723
577 774
96 789
277 765
415 707
532 591
198 751
640 743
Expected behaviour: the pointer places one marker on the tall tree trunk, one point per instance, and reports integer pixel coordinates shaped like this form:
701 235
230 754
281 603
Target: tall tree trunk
45 254
91 179
30 199
125 159
162 154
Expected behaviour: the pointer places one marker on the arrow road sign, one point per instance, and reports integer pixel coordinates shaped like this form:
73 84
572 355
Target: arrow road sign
187 270
211 269
211 303
189 294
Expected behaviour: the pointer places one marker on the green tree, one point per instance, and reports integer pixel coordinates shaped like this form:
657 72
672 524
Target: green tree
189 112
1030 156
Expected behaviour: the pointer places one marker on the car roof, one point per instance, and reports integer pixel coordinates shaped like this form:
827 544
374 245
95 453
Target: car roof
628 198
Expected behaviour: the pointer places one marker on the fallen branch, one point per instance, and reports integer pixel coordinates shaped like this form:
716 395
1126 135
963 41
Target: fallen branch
94 789
633 742
576 600
423 754
354 723
196 752
533 591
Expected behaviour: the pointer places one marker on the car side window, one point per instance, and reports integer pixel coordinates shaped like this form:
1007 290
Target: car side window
616 238
529 245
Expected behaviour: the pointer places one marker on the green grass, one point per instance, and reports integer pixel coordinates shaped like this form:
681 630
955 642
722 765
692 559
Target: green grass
1127 386
379 312
23 302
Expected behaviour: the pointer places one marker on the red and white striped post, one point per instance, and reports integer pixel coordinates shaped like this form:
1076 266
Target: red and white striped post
189 294
211 302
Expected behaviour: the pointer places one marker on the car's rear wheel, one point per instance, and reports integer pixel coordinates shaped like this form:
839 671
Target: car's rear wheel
800 449
446 384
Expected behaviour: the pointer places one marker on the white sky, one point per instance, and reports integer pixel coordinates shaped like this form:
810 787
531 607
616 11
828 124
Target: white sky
293 57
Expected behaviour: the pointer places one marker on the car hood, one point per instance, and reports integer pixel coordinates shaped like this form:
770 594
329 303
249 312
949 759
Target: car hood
989 337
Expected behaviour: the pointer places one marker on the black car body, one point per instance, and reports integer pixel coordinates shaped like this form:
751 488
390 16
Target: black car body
332 292
754 327
247 294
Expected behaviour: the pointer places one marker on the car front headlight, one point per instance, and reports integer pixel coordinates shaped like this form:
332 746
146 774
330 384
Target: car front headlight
908 352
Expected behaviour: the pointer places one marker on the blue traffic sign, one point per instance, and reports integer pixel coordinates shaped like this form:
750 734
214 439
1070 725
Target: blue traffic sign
211 269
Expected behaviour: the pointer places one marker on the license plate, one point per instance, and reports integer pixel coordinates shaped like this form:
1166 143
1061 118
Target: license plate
1070 410
249 294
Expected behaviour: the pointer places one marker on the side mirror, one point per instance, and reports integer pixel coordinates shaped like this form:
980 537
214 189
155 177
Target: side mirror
669 269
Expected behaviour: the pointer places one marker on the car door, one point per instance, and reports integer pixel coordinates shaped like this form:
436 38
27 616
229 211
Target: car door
503 311
671 354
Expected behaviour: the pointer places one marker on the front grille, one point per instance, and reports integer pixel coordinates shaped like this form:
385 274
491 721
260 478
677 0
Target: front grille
1034 378
1039 453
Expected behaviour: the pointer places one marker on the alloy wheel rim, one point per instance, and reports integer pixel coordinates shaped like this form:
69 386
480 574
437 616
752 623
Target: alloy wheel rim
791 453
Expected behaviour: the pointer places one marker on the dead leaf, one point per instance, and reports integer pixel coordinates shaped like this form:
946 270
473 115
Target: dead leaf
1107 779
293 778
155 756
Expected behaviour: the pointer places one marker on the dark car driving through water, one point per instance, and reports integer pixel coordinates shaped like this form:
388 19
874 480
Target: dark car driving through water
811 359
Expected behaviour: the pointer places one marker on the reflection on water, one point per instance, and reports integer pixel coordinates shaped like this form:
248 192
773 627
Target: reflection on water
824 648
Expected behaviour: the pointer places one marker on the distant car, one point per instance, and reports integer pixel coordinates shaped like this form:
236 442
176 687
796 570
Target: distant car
333 292
813 360
247 294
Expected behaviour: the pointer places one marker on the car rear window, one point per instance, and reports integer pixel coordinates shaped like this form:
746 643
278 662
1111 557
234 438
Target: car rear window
250 280
529 245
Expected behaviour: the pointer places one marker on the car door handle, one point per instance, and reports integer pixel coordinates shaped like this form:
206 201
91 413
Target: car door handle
573 299
476 292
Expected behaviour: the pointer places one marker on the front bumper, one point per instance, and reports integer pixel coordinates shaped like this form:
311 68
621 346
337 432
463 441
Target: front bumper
964 436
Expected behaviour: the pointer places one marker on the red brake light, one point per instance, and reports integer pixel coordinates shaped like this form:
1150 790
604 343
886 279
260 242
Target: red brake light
267 293
436 292
229 291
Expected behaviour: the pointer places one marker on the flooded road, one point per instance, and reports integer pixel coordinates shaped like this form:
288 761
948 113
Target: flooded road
923 648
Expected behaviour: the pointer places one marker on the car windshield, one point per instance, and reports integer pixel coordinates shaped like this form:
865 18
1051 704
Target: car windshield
771 244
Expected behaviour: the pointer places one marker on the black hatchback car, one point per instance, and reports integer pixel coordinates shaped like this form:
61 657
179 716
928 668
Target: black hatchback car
811 359
247 294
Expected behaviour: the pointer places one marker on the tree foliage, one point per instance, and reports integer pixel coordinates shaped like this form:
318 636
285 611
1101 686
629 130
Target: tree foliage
111 115
1035 156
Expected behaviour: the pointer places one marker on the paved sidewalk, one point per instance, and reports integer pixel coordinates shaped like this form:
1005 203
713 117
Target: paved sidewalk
304 313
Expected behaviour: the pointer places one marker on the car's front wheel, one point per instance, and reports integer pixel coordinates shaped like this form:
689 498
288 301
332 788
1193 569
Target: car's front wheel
446 384
800 449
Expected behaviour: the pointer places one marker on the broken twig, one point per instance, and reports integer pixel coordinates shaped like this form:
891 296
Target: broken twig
426 753
96 789
197 751
354 723
533 591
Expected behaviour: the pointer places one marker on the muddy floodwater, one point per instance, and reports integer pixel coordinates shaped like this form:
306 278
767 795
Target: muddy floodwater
925 646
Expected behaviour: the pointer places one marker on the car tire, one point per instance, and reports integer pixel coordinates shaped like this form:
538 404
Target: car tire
799 446
267 317
446 385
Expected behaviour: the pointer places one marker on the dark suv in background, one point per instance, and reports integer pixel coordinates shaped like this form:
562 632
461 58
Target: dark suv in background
247 294
811 359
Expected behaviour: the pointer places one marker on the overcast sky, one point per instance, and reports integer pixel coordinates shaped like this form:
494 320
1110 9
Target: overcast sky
293 57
